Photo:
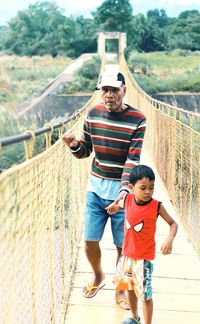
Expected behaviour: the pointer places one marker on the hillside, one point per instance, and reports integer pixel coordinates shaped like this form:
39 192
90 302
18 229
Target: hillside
159 72
167 72
25 77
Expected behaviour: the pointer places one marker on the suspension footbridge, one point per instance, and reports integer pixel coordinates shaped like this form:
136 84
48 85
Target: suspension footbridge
41 206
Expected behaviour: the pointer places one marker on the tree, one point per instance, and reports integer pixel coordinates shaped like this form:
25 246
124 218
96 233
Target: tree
185 33
43 29
113 15
148 34
2 37
158 17
85 40
156 37
35 31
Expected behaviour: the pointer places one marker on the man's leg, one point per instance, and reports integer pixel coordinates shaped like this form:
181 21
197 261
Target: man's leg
93 253
95 222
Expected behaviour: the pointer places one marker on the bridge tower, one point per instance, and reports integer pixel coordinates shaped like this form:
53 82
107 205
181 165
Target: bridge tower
102 36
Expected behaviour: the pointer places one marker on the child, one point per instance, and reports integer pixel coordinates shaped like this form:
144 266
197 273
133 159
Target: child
134 271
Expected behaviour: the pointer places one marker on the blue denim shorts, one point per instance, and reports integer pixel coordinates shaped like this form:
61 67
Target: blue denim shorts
96 218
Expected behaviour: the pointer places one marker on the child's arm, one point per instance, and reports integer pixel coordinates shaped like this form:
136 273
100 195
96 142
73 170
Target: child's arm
166 247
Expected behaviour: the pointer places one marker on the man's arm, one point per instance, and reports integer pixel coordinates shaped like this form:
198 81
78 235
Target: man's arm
133 159
134 152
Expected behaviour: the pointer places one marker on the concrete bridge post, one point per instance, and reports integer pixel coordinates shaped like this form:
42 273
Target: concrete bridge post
102 36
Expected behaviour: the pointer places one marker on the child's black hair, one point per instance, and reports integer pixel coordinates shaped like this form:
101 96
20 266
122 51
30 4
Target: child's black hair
139 172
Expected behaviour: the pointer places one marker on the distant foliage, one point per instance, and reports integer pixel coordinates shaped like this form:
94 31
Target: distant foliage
9 126
90 69
44 29
113 15
138 64
176 71
8 123
85 78
23 77
185 32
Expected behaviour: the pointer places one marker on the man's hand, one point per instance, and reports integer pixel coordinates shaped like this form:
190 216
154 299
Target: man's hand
112 208
117 204
70 140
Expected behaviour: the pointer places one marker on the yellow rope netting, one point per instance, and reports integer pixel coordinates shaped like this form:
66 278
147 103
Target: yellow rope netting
29 145
42 202
173 144
41 205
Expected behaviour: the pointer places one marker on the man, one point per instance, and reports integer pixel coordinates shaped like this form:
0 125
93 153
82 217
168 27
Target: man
114 131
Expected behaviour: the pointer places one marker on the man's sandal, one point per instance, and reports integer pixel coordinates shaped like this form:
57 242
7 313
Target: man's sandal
86 292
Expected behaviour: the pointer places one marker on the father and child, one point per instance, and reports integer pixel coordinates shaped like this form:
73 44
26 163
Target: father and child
114 131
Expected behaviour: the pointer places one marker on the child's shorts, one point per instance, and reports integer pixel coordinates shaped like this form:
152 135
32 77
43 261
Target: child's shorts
134 275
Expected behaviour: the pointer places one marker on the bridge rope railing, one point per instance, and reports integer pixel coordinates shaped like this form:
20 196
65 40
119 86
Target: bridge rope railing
42 202
173 144
41 206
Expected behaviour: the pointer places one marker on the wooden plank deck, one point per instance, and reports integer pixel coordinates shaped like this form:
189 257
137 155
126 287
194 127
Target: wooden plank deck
176 280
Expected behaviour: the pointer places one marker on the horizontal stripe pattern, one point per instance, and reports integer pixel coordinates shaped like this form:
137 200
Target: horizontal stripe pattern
116 139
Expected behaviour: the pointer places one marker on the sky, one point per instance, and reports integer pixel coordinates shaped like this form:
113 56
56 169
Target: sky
9 8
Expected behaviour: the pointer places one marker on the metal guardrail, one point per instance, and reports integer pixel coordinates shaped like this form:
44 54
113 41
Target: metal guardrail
27 135
5 141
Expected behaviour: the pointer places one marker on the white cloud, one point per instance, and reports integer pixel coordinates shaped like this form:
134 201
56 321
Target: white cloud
77 4
9 8
180 2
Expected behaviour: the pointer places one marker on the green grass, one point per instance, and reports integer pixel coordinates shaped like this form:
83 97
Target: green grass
27 77
177 71
86 77
24 77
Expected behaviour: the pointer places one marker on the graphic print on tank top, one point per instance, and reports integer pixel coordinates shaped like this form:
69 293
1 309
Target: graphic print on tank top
139 228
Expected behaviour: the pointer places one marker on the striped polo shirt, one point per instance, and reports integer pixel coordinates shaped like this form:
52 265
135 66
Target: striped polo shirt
116 139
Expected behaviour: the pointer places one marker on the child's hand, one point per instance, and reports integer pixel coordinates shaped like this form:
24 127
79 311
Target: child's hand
166 247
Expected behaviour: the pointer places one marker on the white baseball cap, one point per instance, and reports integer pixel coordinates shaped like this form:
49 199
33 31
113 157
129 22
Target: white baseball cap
112 79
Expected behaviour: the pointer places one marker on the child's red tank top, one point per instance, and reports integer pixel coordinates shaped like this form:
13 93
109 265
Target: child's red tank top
139 228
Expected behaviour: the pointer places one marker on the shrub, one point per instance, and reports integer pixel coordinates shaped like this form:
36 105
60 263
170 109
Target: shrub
138 64
89 69
85 78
